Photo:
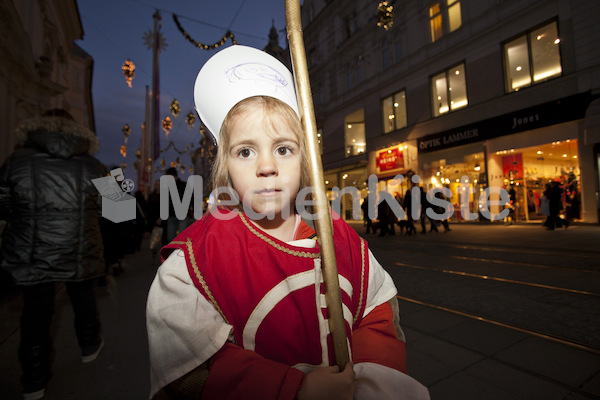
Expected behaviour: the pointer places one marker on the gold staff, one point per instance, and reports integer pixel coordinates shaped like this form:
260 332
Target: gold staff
323 223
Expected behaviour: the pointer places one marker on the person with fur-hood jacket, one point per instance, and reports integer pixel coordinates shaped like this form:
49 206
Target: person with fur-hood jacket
52 235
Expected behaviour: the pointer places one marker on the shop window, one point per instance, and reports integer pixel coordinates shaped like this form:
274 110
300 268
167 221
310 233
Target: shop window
532 58
354 133
394 112
449 90
450 173
437 25
530 170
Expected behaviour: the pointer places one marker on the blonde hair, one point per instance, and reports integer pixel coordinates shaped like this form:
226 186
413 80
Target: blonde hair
275 112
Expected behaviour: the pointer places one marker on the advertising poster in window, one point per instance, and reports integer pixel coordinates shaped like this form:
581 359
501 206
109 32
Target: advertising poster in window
390 159
512 166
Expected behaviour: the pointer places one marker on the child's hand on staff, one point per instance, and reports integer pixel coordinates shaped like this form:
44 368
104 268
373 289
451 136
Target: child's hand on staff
328 383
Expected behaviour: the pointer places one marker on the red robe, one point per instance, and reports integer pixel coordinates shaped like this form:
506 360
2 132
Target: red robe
266 290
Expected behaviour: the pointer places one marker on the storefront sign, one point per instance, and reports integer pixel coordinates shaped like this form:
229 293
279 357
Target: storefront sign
554 112
390 159
448 139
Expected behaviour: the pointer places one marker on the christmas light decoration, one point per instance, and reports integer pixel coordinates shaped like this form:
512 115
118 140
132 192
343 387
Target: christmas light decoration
385 15
126 132
128 69
171 144
190 119
124 151
167 124
175 108
227 35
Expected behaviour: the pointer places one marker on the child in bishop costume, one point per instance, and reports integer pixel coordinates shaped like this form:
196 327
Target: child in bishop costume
237 309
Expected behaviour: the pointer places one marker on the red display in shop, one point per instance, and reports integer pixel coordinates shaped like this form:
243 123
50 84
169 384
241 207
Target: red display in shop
390 159
512 166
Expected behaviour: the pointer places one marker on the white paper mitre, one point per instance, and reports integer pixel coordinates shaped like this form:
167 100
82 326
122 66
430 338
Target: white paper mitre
237 73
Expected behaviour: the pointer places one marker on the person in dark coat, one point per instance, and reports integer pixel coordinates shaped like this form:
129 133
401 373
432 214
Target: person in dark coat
368 220
425 204
53 235
554 195
386 219
407 206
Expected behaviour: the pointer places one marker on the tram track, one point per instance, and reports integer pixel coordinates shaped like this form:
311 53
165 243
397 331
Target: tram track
573 261
523 250
497 279
536 303
490 260
554 338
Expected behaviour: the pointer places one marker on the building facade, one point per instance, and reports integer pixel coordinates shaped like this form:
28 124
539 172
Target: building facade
41 66
466 94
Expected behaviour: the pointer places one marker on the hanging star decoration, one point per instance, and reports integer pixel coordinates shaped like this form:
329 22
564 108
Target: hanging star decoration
149 41
167 124
190 119
126 132
227 35
385 15
128 69
175 108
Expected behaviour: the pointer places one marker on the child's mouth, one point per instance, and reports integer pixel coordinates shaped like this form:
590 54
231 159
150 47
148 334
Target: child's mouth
269 192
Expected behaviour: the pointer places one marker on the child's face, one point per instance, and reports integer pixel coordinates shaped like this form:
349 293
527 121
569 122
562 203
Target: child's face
264 165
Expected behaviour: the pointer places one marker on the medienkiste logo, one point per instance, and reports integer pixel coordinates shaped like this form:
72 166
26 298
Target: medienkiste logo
117 204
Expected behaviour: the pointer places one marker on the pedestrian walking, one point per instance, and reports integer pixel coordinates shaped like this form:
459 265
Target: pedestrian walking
366 217
386 218
441 210
554 194
407 206
512 205
236 310
53 235
425 205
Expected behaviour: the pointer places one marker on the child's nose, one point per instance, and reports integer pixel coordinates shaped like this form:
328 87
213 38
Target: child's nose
266 166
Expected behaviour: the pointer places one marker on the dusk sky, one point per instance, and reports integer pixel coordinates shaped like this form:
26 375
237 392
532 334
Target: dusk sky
113 31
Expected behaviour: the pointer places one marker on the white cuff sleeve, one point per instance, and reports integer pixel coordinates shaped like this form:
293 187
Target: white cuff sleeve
377 382
184 330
